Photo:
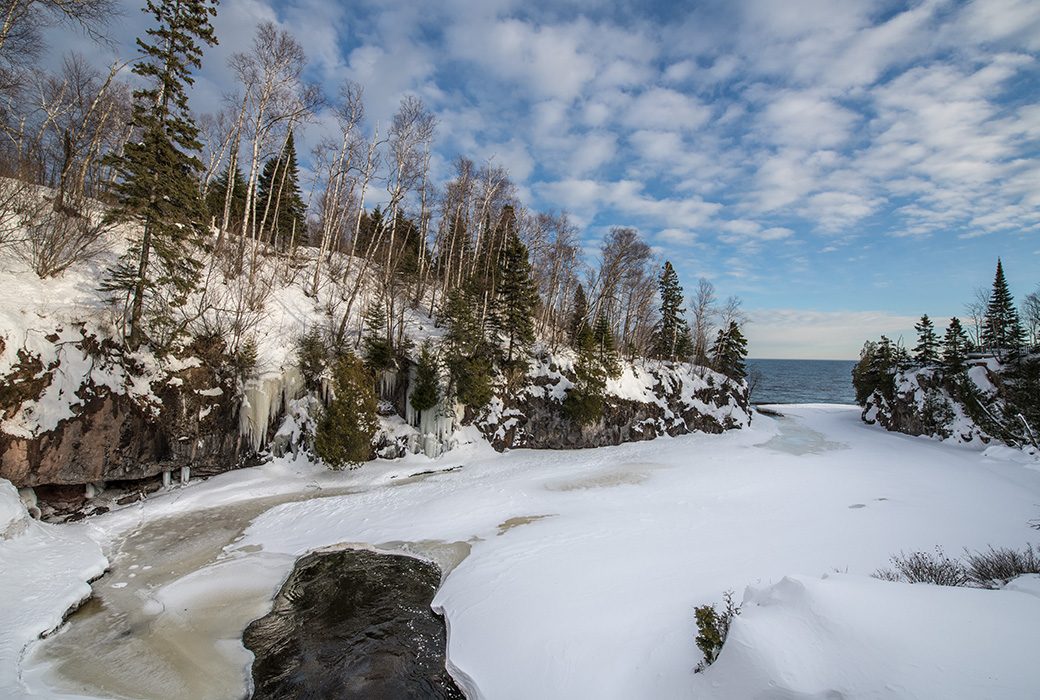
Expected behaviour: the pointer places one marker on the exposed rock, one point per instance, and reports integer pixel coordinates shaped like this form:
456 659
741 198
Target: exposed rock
353 624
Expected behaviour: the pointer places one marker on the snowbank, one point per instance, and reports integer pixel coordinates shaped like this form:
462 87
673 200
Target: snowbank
44 571
844 636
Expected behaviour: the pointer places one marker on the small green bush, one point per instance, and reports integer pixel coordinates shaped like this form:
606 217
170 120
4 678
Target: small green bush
714 628
348 423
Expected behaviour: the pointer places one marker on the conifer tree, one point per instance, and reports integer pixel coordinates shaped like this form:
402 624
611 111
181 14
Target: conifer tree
426 394
157 175
344 433
729 352
469 359
926 352
606 352
579 319
672 340
278 197
516 298
377 351
584 401
1002 329
955 347
218 192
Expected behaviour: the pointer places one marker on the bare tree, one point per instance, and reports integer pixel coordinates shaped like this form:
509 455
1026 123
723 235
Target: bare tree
976 311
23 22
703 312
625 286
1031 316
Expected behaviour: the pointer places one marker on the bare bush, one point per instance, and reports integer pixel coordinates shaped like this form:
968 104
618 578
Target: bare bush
994 568
55 240
922 567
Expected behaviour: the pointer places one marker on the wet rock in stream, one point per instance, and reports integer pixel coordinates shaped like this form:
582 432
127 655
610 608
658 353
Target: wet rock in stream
352 624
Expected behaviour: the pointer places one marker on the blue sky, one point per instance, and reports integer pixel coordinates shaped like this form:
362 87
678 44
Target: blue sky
841 165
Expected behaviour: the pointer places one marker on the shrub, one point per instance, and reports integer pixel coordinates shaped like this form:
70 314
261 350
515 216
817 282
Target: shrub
922 567
714 628
348 423
311 354
993 569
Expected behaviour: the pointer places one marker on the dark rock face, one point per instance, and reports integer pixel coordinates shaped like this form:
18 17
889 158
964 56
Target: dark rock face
678 402
189 419
353 624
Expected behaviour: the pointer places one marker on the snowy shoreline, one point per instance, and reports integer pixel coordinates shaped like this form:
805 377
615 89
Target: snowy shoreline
576 573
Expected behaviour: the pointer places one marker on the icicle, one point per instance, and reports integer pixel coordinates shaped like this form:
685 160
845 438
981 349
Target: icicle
167 480
185 474
262 403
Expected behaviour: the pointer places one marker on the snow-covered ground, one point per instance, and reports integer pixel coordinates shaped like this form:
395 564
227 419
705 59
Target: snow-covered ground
570 574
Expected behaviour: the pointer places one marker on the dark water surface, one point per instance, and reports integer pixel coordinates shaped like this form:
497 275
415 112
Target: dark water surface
353 624
803 381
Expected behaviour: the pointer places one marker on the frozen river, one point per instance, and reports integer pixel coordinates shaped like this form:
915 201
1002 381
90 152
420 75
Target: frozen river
567 574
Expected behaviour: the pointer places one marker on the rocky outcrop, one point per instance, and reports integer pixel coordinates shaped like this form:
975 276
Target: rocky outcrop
119 420
647 401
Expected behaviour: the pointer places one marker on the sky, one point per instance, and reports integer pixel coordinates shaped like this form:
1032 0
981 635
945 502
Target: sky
843 166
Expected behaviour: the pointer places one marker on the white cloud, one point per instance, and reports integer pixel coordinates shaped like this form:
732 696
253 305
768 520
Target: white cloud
796 333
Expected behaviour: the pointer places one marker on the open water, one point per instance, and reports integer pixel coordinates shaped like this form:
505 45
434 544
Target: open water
803 381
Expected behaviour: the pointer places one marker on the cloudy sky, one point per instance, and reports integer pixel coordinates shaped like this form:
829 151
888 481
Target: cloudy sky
841 165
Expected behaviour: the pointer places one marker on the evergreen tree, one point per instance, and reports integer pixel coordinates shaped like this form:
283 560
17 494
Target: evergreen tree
672 340
516 298
875 371
344 433
157 177
378 353
579 319
605 350
426 393
729 352
1002 329
470 358
278 196
584 401
926 352
217 196
955 348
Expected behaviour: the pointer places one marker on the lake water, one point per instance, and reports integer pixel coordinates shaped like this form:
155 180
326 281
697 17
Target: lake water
803 381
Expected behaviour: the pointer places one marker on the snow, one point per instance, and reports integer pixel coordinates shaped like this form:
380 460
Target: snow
575 574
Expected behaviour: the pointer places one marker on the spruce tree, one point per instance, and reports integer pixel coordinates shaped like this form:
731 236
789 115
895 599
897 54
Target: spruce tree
426 393
218 194
672 339
157 182
955 347
579 318
926 352
729 352
516 297
348 423
469 358
278 197
603 341
1002 329
584 401
378 353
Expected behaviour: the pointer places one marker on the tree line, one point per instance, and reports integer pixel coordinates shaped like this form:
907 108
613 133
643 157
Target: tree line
220 213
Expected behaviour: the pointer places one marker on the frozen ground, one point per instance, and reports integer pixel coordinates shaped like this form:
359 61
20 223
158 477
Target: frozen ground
570 574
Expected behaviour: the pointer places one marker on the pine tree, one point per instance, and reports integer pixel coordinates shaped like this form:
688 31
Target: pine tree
278 197
469 358
729 352
344 433
158 184
218 192
603 341
584 401
516 297
875 371
579 319
426 393
378 353
672 340
955 348
926 352
1002 329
